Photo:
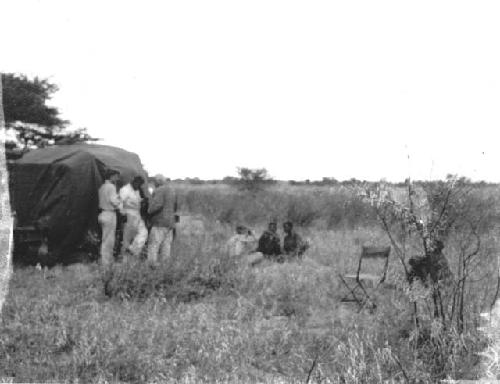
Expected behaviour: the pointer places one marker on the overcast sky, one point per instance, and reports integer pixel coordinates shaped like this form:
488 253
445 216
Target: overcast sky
304 88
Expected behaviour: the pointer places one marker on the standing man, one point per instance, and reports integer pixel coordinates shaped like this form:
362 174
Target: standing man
135 233
109 203
162 216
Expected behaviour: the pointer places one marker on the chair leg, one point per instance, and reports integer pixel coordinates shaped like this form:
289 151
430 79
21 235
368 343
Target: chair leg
352 292
361 301
368 299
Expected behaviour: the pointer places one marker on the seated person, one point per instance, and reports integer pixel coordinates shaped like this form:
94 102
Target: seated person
242 243
293 244
269 243
433 268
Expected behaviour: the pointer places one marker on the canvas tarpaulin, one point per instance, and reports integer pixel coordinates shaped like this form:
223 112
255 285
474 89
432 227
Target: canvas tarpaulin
56 188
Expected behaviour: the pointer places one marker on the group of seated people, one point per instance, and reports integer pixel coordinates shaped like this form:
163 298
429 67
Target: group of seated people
269 244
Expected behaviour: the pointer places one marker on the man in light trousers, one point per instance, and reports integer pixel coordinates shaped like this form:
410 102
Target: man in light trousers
162 213
135 232
109 203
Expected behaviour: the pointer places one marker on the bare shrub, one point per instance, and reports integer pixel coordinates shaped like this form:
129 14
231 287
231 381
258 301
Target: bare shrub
440 289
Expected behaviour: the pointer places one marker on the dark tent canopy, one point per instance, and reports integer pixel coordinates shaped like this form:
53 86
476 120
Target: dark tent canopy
56 189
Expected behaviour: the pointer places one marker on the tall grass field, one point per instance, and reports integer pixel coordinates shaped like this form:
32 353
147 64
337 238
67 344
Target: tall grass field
206 317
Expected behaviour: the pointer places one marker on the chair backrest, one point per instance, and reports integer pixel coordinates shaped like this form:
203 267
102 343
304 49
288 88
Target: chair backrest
373 252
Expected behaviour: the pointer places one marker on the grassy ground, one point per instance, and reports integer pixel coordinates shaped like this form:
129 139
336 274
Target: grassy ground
204 318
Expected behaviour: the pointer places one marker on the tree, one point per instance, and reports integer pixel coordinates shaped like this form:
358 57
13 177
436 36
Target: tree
34 123
6 220
253 179
329 181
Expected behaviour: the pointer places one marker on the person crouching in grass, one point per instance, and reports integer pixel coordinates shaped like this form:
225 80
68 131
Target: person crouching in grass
242 243
270 243
293 244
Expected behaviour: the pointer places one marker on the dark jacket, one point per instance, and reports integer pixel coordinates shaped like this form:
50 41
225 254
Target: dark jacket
433 268
269 245
294 245
162 207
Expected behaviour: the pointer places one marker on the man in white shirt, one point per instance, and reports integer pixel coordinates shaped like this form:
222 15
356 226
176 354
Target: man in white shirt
135 232
109 203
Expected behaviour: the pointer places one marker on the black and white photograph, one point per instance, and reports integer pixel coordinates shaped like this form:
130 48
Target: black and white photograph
249 191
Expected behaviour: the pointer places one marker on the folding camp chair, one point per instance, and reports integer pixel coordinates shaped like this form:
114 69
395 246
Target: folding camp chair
356 283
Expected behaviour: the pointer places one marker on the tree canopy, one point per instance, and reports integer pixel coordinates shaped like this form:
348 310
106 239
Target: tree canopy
25 101
35 123
253 179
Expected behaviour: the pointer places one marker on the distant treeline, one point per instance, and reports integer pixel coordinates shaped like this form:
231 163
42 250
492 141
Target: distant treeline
318 206
315 206
326 204
325 181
